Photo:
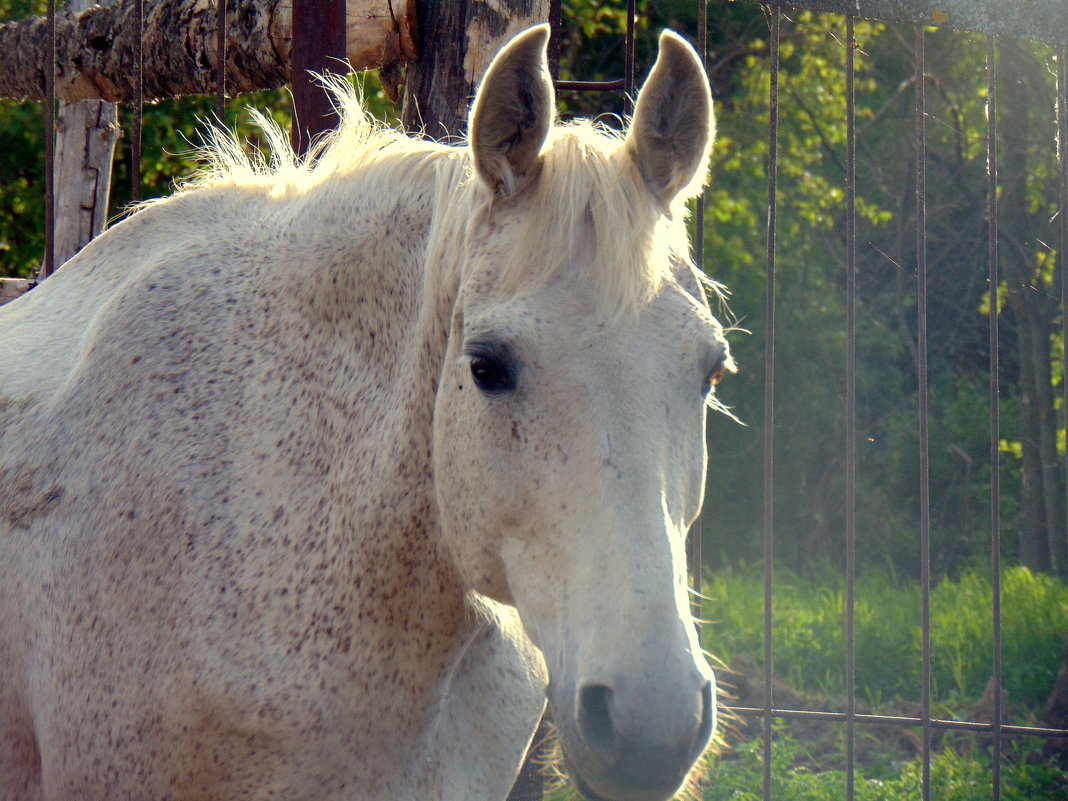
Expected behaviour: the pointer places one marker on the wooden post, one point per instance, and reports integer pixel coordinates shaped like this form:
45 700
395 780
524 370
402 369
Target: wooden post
318 47
85 146
456 42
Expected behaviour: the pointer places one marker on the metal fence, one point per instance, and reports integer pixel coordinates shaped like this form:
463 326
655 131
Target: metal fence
1035 19
1039 20
318 43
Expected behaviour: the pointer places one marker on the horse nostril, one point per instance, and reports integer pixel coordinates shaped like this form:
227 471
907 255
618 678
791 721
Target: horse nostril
595 721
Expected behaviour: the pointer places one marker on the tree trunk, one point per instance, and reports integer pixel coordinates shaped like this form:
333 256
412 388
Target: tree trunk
457 41
96 49
1034 515
1041 514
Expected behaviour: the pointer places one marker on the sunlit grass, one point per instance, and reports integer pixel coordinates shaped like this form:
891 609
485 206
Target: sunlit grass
808 628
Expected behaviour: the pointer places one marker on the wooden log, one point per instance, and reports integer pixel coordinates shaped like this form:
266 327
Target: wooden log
95 49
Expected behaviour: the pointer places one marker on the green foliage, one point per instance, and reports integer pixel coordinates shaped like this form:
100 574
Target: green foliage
809 479
22 206
955 776
1034 621
808 630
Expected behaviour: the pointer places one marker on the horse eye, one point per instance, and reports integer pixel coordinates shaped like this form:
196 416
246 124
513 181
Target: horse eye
491 376
714 377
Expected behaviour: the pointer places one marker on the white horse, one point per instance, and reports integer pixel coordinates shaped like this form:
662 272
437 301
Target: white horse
316 480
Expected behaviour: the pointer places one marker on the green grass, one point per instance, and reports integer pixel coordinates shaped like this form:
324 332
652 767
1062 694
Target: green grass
955 776
809 633
809 650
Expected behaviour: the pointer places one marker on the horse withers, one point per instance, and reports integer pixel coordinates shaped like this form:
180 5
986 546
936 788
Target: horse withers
318 477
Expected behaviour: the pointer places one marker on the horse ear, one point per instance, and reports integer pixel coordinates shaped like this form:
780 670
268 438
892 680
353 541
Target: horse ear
673 127
512 113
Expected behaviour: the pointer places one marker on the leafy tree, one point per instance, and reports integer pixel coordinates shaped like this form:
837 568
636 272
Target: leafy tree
21 170
810 435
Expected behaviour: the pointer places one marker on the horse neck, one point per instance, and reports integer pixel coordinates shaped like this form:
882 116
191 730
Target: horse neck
383 305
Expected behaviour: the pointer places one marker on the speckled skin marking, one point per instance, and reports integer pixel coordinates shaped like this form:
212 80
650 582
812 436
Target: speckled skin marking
262 537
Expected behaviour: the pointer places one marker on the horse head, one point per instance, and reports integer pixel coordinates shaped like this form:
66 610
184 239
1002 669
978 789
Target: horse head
569 447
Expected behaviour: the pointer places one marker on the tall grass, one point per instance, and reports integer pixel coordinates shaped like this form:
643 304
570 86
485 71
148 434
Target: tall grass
955 776
808 632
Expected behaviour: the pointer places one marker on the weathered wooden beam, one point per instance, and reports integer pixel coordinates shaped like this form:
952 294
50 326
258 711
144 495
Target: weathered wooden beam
1041 20
95 50
86 133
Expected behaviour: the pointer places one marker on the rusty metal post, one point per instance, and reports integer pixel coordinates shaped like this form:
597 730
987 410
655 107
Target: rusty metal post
995 399
139 104
49 265
769 392
318 47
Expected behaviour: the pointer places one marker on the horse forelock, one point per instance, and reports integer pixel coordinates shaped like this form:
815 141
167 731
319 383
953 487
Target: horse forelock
589 210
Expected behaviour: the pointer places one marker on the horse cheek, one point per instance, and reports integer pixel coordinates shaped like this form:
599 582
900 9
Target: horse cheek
468 486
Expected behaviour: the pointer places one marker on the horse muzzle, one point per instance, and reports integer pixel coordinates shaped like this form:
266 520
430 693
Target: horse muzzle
618 752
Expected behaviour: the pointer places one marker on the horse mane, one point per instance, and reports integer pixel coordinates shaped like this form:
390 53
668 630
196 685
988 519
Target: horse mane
589 195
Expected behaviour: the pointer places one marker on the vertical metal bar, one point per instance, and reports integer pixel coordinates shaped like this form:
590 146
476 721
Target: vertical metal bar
49 265
851 405
138 109
696 557
1062 160
220 68
699 228
769 388
995 409
318 46
628 63
922 402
